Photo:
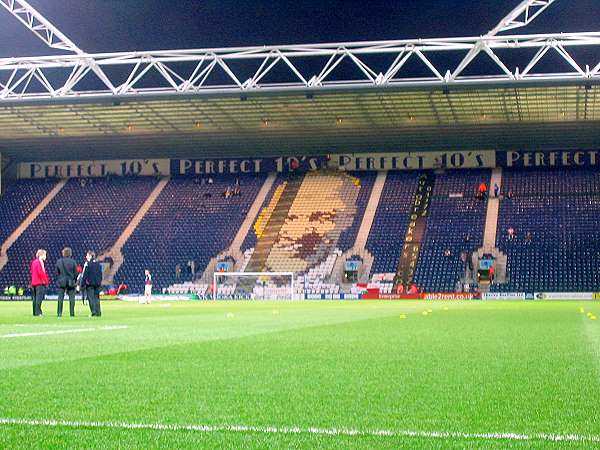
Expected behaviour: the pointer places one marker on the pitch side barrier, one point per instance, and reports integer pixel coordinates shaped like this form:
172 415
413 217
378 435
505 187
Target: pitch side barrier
563 296
452 296
541 296
378 296
433 296
15 298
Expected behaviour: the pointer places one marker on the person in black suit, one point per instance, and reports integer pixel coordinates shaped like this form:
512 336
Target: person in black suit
66 269
92 280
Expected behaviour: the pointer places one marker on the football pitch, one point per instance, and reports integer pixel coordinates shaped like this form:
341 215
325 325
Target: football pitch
404 374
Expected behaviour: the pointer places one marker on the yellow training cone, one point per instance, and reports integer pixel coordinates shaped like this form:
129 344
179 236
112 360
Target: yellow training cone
424 313
403 316
581 310
593 317
430 310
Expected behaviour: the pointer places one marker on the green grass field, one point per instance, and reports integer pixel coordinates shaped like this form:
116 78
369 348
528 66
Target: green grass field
302 375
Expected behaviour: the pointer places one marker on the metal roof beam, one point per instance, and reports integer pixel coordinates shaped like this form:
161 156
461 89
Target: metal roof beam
40 26
54 38
190 72
519 17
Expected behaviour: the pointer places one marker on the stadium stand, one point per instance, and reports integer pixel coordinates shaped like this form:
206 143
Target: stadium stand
266 210
18 200
455 224
191 220
391 220
324 207
367 180
85 214
320 218
560 209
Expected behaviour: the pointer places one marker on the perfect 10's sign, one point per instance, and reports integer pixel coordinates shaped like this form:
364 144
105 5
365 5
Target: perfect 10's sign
251 165
74 169
415 160
466 160
164 167
560 158
347 162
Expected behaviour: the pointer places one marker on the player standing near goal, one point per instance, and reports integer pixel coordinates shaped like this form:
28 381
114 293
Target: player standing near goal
147 287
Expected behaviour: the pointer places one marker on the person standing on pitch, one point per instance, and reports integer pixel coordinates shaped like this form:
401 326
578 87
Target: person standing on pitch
66 269
80 287
39 282
147 286
91 281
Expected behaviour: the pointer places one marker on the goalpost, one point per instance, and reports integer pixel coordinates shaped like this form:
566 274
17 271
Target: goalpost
254 286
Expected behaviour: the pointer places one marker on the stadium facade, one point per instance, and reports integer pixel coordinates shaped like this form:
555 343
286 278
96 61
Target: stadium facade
354 165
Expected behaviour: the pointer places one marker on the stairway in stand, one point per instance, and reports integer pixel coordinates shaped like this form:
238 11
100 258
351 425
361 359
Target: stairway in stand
271 232
416 230
493 208
489 238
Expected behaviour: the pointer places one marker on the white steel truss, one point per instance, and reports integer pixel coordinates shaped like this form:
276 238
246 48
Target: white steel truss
293 68
54 38
188 71
521 16
40 26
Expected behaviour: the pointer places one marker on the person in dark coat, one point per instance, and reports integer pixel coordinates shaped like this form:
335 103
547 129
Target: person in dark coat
66 269
91 281
39 281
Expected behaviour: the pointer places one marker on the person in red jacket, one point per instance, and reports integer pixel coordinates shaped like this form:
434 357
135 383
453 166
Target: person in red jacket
492 274
400 289
414 290
482 190
39 281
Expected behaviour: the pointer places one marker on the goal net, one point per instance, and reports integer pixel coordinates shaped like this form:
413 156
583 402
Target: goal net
254 285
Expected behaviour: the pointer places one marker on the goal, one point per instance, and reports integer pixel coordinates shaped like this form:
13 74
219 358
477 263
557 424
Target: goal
254 285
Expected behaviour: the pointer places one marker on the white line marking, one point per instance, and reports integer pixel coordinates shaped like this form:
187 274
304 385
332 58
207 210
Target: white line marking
300 430
69 331
115 327
47 333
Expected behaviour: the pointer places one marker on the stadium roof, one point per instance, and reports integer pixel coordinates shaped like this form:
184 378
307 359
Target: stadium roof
475 117
491 91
